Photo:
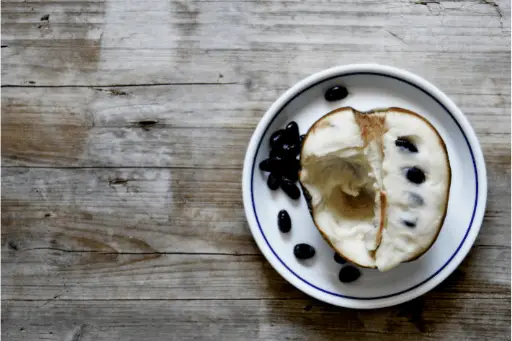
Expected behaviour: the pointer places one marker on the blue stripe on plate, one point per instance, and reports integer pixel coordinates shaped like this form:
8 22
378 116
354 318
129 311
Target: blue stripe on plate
376 297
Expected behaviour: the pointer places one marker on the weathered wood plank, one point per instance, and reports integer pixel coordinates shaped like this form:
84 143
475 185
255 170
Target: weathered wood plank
120 252
275 67
179 210
167 210
28 142
89 43
50 273
226 106
437 316
37 145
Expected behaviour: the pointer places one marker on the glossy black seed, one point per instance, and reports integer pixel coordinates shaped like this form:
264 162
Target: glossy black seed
277 138
336 93
276 152
284 222
415 175
338 259
303 251
290 189
294 164
292 132
301 139
291 176
405 144
349 274
290 169
265 165
272 164
409 223
291 150
416 200
273 181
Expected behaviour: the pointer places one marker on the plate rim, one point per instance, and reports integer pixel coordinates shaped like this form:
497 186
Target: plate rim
473 228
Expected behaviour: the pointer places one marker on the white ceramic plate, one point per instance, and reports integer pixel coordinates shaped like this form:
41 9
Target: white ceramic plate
370 86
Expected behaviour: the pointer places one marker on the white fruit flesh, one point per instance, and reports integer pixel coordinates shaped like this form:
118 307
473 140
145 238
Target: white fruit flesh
347 175
335 171
400 243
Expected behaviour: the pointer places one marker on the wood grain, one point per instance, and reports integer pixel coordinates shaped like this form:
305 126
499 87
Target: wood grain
124 126
30 143
100 271
185 106
90 43
61 146
179 210
436 316
173 210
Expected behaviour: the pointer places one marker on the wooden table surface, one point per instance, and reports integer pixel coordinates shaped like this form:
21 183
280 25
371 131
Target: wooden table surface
124 126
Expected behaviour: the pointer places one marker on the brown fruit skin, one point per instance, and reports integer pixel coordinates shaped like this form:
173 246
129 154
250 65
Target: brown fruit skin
307 195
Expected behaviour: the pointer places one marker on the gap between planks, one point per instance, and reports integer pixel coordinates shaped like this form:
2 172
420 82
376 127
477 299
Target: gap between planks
490 296
92 86
164 299
148 253
114 85
119 167
483 246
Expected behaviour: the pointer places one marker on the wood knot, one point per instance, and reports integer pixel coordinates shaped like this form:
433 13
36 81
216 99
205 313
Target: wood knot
116 92
117 181
146 124
113 92
248 84
45 17
13 246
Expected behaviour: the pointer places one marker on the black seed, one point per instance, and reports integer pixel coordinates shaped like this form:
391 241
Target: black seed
290 169
415 175
271 164
338 259
294 164
416 200
284 222
303 251
276 152
405 144
349 274
265 165
301 139
409 223
273 181
336 93
287 167
290 150
290 189
292 176
292 133
276 139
